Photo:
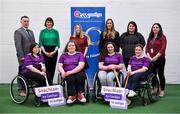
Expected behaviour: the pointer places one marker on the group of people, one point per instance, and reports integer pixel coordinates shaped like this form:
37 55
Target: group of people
39 61
136 62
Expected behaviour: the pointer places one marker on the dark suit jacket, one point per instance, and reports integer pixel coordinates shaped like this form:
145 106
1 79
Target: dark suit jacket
23 40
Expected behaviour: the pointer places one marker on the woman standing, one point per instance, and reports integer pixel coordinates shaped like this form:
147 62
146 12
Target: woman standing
128 40
109 35
155 49
49 43
80 39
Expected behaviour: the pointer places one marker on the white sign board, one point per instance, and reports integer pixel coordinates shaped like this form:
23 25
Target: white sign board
116 96
51 94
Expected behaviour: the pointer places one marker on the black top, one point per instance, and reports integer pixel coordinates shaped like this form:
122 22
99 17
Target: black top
104 40
128 42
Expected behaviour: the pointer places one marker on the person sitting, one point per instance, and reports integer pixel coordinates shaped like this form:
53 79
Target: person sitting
138 65
71 64
33 67
110 60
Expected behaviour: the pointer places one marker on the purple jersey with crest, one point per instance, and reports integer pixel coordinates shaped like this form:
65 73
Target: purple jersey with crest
32 60
138 63
113 59
71 61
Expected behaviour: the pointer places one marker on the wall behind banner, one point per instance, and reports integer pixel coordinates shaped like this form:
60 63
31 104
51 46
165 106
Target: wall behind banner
144 13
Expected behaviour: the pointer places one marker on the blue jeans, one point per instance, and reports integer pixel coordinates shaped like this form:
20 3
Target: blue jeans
106 78
133 81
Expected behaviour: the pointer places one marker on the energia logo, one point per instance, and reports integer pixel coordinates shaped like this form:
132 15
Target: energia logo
78 14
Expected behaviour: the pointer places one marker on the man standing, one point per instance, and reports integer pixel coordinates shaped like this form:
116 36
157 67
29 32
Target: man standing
23 38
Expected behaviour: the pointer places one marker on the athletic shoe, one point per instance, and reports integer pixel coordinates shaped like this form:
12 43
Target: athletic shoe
131 93
81 97
161 94
71 99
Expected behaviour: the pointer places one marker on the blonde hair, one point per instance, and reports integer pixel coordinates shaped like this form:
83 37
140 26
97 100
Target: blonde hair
81 31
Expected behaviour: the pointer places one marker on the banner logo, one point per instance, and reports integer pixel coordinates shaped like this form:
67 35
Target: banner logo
78 14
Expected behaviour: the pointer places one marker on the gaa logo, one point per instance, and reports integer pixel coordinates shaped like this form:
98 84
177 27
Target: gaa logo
77 13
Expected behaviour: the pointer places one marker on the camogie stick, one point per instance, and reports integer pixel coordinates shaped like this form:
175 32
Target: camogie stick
117 78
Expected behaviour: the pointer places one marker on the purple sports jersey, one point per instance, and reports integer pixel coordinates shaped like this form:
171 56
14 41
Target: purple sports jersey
71 61
113 59
137 63
32 60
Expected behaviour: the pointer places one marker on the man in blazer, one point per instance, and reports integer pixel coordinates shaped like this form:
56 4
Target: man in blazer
23 38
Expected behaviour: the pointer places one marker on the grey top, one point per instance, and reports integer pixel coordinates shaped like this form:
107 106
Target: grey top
23 39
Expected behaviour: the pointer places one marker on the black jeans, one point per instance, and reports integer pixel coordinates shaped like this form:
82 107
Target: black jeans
126 61
158 68
40 79
50 62
75 83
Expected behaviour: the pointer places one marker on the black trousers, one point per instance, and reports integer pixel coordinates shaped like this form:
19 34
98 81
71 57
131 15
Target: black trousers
50 62
40 79
158 68
126 61
75 83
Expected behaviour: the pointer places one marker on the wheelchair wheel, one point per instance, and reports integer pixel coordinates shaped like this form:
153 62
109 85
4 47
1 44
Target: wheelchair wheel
37 102
59 80
86 90
121 78
153 88
15 91
65 89
96 89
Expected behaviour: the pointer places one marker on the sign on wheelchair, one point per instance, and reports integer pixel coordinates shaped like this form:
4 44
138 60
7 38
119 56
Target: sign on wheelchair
116 96
51 94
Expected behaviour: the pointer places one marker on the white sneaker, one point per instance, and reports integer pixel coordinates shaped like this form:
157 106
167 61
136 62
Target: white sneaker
131 93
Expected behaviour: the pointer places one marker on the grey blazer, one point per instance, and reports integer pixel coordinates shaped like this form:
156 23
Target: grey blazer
23 40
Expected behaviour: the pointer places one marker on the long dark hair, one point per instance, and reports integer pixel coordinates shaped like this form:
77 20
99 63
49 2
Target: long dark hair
134 24
113 31
151 34
76 46
104 51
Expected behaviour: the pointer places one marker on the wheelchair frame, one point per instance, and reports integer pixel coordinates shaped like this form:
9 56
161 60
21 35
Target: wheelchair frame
146 86
28 85
64 84
97 85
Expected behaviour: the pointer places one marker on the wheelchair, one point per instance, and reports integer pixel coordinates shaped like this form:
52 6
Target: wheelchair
63 83
27 85
97 86
148 88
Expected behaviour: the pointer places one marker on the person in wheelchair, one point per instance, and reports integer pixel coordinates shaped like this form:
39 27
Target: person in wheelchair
33 67
137 67
71 65
110 60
